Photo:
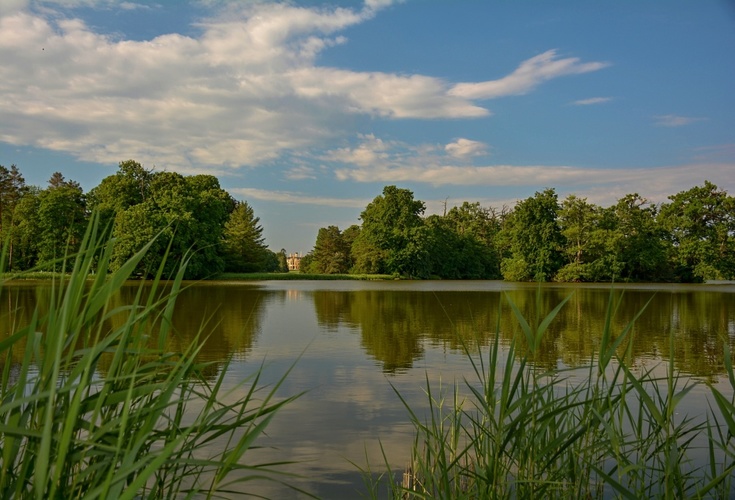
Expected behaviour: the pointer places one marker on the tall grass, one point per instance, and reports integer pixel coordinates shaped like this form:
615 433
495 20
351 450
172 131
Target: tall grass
151 426
515 431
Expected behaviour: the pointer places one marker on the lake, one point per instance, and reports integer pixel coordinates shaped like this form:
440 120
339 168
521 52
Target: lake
352 342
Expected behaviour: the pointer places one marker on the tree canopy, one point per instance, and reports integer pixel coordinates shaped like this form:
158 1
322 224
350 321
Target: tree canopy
689 238
188 216
692 238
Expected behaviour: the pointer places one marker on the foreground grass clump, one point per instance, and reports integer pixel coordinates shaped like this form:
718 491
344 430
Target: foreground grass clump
93 405
600 432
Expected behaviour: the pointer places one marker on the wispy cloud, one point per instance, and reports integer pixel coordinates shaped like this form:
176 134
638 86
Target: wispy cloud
300 173
434 166
717 151
299 198
592 101
530 74
675 120
134 6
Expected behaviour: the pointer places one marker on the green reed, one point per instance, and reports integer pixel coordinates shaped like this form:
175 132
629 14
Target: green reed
603 431
97 407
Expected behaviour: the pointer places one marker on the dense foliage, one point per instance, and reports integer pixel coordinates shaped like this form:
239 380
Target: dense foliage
195 217
691 238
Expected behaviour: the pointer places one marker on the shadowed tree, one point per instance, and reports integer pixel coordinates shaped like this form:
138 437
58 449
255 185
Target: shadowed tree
393 236
129 186
637 240
12 189
245 249
331 254
61 219
700 224
189 213
534 238
578 222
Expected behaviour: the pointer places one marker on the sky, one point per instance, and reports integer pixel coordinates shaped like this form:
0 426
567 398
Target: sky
307 109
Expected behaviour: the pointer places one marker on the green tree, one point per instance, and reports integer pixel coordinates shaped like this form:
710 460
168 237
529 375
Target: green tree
534 239
129 186
350 234
578 221
12 186
26 229
243 241
282 261
638 240
393 236
188 213
12 189
306 262
331 254
61 219
700 223
477 229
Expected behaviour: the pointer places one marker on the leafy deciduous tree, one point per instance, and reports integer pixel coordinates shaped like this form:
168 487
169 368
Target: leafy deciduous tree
700 223
393 236
534 238
61 219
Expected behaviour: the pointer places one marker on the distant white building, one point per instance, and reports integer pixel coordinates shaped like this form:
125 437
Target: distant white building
294 262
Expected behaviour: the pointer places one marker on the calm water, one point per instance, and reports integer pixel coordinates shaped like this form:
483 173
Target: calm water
357 339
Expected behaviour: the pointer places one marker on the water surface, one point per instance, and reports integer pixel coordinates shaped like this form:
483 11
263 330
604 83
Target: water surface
356 341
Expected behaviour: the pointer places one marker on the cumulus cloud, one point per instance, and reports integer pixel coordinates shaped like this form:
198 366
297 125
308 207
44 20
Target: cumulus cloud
465 148
245 91
7 6
675 120
526 77
371 151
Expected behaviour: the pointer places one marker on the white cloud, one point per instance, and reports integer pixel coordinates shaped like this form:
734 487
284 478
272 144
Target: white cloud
592 100
526 77
393 162
602 185
299 198
465 148
244 92
7 6
134 6
371 151
300 173
675 120
383 94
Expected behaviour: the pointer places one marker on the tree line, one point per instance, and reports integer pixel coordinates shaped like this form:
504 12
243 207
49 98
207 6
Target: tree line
192 216
689 238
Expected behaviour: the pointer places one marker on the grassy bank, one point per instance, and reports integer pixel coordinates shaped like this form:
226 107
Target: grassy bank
48 276
92 404
300 276
611 430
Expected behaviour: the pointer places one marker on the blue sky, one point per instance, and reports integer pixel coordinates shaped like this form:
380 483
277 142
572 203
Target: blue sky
307 109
